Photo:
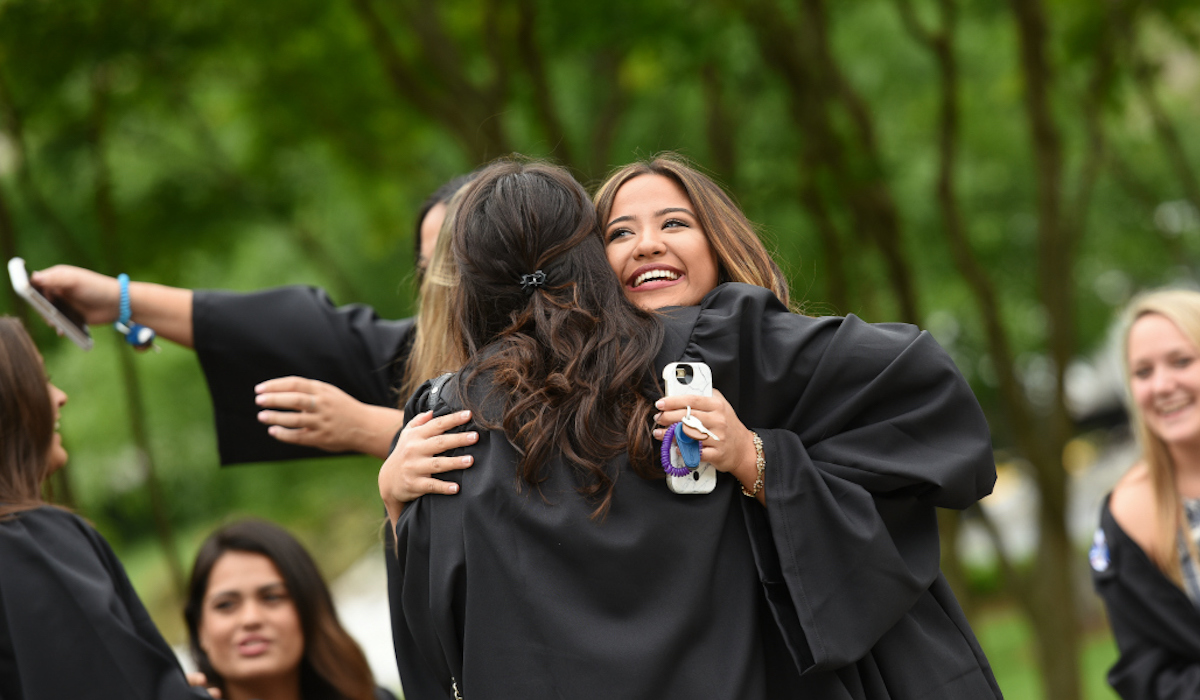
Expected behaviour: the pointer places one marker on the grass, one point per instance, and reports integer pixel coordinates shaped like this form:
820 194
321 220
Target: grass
1007 639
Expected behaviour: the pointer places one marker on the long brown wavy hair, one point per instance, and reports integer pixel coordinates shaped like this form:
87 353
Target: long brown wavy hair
26 420
568 360
741 255
333 666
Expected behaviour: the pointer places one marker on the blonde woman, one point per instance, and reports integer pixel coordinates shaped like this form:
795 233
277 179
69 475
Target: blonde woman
1144 558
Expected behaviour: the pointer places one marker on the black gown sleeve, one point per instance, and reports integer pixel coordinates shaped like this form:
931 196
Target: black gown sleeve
871 427
245 339
1155 624
73 627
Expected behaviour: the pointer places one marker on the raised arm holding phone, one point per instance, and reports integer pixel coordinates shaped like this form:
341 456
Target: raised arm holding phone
267 355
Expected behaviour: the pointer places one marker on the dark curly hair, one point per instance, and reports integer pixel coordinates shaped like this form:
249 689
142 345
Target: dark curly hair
569 359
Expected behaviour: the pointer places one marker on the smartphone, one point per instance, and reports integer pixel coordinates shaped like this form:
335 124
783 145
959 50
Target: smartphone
67 320
695 379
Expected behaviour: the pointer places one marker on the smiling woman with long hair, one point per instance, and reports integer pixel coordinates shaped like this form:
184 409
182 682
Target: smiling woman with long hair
71 625
261 621
1144 558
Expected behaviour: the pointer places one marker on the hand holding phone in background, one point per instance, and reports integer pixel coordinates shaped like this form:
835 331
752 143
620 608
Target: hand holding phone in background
57 313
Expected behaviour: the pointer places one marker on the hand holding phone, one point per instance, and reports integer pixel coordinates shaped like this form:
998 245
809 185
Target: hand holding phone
694 379
62 316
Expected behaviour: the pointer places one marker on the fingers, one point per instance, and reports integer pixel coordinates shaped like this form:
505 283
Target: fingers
295 436
287 384
713 420
94 295
659 433
287 419
402 479
424 425
437 465
445 443
291 400
197 680
419 420
698 403
53 279
430 485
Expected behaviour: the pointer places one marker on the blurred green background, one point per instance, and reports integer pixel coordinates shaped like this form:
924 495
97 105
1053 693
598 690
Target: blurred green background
1003 173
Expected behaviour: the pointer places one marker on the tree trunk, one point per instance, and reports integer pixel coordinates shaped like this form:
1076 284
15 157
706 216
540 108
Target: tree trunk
110 240
1056 623
819 95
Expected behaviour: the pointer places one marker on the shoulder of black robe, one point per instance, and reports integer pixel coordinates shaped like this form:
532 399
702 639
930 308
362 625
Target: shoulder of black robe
73 627
1155 624
244 339
866 427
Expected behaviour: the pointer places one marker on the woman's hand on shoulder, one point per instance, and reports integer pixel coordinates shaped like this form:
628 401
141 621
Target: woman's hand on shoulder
733 452
408 471
321 415
1133 507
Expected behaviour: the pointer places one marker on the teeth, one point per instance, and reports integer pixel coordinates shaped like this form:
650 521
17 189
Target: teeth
654 275
1172 406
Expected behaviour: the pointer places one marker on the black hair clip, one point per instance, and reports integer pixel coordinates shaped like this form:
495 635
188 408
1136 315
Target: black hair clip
532 282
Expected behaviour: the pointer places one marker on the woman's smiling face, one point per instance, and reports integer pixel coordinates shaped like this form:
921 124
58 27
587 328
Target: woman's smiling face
656 245
250 628
1164 379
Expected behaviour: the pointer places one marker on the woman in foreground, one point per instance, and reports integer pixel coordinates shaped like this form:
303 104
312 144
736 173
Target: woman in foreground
1144 557
262 624
588 577
71 625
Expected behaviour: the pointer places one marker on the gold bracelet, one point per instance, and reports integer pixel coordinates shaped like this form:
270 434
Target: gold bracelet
761 463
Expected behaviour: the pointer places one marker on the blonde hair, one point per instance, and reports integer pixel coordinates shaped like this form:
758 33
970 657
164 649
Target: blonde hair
740 252
437 342
1182 308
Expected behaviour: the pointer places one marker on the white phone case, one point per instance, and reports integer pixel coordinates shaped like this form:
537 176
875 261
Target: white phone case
20 282
677 382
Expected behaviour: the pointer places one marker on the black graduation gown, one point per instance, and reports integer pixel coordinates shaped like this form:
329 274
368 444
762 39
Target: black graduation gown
71 625
1156 626
245 339
866 429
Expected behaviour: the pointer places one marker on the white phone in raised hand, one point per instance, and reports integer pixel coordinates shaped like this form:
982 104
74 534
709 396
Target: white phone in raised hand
695 379
67 320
